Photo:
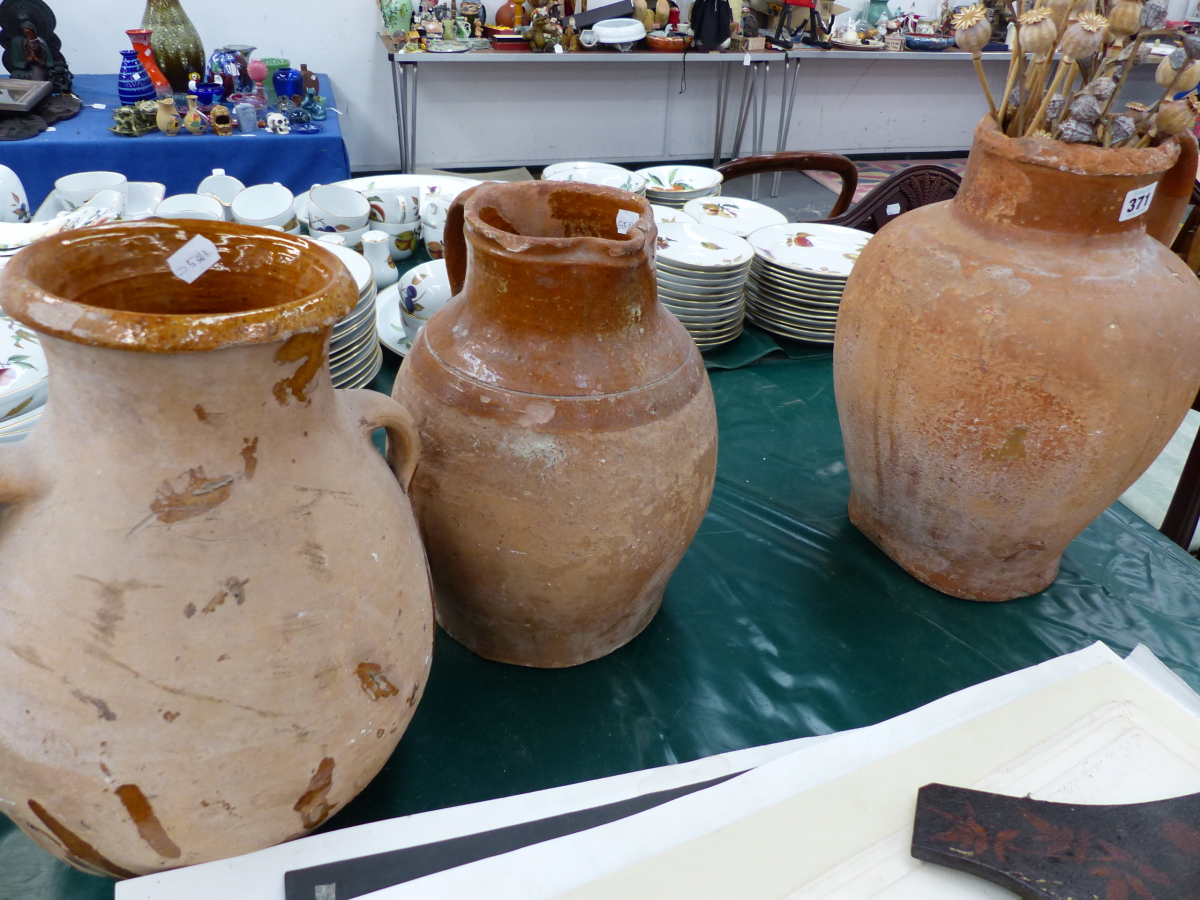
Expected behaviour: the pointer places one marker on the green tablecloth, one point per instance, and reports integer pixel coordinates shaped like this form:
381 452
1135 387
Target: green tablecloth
782 621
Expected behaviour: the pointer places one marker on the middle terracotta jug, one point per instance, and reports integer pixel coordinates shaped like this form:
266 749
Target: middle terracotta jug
568 434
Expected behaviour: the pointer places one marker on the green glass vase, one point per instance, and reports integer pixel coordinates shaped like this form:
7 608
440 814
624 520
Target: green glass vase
176 45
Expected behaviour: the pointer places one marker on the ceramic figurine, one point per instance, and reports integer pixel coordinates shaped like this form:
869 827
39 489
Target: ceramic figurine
230 644
247 118
561 488
310 79
133 84
222 121
194 120
277 123
313 106
32 51
140 38
377 250
176 45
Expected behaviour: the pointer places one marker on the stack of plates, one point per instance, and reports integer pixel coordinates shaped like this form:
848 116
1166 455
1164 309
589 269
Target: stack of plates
354 353
732 214
701 277
797 278
24 385
674 186
596 173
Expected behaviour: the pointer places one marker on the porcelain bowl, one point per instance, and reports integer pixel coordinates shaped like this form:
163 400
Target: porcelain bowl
191 206
265 204
76 190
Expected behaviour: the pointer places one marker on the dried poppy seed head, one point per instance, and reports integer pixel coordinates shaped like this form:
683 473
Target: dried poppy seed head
1125 18
1083 38
1191 45
1054 107
1121 128
1178 57
972 30
1085 108
1074 132
1154 14
1173 117
1101 87
1038 31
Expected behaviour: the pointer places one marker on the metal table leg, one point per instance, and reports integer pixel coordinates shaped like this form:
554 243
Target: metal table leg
722 100
412 122
400 135
761 123
785 123
743 111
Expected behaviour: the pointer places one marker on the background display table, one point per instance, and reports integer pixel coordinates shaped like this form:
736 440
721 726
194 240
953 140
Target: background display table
782 621
297 161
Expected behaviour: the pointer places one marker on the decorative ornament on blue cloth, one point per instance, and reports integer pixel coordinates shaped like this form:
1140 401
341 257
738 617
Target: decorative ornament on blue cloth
133 83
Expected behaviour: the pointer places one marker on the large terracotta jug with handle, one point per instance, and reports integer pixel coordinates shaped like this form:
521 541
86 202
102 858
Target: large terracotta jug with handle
568 433
215 612
1008 362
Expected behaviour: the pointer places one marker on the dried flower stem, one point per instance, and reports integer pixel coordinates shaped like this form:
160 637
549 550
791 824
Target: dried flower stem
1009 82
987 91
1066 65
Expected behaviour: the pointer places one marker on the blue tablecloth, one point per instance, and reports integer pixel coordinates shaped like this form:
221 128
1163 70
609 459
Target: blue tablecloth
84 143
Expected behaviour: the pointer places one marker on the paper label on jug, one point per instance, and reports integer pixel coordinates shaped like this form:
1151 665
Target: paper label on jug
626 220
1137 202
194 258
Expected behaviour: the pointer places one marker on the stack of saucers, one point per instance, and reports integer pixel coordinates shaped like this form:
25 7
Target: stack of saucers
596 173
701 277
733 214
354 353
674 186
797 278
24 382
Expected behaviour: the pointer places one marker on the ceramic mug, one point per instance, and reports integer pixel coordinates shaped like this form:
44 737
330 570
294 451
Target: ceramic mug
433 239
76 190
265 204
191 206
393 206
14 205
332 207
224 188
434 208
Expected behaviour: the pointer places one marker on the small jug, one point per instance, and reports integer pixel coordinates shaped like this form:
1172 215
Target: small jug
375 247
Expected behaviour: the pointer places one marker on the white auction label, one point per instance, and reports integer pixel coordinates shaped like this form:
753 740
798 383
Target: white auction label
558 48
194 258
746 59
893 209
1137 202
99 106
626 220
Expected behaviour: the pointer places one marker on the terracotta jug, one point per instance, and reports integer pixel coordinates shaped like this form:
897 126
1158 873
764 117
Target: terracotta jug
568 433
217 612
1008 362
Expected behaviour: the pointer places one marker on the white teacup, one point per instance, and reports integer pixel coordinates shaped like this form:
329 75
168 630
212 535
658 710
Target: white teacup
404 237
265 204
393 206
332 207
76 190
424 289
190 206
434 208
433 239
224 188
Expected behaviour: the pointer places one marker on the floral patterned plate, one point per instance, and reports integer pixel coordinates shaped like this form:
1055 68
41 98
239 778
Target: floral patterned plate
733 214
693 180
597 173
24 385
667 214
388 323
810 247
701 247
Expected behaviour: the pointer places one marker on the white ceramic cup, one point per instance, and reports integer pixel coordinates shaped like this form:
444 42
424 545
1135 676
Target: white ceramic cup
433 240
14 204
434 208
332 207
190 206
76 190
224 188
392 206
265 204
404 237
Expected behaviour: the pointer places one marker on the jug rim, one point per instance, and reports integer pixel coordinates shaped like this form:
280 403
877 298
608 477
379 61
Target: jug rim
327 291
1079 159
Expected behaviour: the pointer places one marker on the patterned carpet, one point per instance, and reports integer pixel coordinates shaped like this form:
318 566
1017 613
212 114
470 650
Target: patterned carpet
872 171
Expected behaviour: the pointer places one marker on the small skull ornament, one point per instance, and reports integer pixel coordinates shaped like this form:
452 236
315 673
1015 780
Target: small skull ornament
277 123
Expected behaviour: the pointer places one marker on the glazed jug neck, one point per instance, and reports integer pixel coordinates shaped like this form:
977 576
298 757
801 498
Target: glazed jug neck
1047 185
554 296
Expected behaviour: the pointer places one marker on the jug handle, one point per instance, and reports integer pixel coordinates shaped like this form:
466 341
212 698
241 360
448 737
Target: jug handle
376 410
1173 193
454 242
21 475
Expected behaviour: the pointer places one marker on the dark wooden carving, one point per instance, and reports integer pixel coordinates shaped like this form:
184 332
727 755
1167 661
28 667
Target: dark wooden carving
1057 851
916 186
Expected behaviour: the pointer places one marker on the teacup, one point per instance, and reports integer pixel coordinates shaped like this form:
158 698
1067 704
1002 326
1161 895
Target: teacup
332 207
424 289
265 204
224 188
433 239
191 206
434 208
353 238
76 190
404 237
393 206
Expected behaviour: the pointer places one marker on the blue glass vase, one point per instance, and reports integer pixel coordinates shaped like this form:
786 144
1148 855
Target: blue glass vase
288 83
133 83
